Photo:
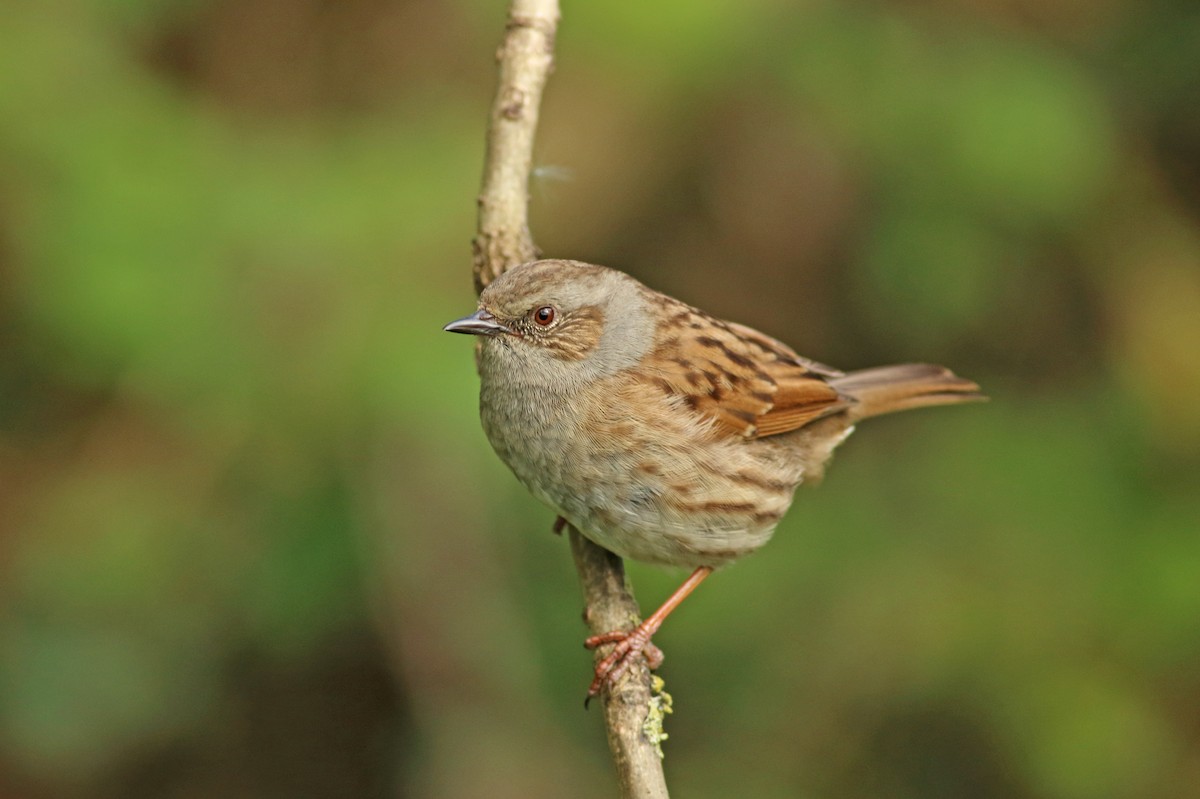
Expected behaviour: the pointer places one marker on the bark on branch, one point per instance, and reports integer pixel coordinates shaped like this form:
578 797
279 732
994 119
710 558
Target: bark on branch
503 240
526 57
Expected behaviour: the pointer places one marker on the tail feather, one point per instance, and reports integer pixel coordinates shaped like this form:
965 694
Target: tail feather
887 389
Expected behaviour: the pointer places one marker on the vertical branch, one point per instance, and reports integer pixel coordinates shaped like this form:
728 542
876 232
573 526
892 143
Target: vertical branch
503 240
627 706
526 57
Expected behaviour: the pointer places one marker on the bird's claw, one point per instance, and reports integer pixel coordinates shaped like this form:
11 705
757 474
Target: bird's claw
614 665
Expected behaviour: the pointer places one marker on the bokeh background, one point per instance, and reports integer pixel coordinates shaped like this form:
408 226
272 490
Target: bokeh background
254 544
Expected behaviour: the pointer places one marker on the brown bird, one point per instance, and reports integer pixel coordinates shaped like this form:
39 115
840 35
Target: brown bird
661 433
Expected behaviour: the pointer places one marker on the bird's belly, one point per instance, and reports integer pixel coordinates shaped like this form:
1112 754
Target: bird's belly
657 523
669 507
647 495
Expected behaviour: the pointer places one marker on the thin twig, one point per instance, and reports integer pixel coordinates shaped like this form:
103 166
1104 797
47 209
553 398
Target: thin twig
628 705
526 57
503 240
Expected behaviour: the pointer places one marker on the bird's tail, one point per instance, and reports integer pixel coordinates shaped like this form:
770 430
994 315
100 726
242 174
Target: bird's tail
886 389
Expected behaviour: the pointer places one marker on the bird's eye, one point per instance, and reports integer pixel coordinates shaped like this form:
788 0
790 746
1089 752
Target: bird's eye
544 315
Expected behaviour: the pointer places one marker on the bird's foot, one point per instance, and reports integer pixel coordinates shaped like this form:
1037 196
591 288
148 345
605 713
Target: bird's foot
629 644
637 641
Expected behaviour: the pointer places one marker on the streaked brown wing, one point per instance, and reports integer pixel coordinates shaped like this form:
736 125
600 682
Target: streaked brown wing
748 383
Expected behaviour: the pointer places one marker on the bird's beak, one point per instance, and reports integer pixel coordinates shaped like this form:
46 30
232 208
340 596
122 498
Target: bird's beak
480 323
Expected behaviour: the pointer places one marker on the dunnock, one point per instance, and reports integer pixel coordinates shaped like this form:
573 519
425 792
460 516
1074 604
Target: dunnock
659 432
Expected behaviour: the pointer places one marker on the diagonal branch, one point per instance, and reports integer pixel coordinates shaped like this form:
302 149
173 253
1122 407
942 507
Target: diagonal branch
503 240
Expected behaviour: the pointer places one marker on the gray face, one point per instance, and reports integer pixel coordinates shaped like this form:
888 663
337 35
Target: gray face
559 325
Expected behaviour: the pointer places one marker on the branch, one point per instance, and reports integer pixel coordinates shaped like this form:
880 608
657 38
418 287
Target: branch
526 57
632 714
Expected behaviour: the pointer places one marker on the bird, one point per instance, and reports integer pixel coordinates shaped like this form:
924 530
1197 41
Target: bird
660 432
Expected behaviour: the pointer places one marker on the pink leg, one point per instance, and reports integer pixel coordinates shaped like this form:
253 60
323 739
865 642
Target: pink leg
629 644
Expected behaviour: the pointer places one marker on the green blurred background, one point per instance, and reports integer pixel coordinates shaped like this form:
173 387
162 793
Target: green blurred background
254 544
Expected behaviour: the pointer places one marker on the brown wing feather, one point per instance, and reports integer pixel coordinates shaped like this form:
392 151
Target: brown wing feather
799 400
748 384
780 351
